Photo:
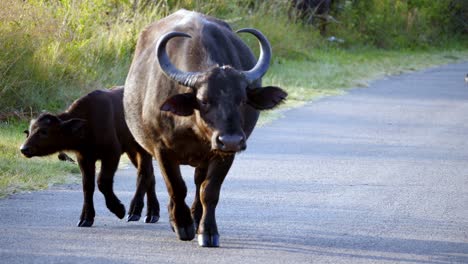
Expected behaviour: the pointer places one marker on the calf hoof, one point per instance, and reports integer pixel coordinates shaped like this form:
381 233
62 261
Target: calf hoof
151 219
184 233
118 210
85 223
133 218
206 240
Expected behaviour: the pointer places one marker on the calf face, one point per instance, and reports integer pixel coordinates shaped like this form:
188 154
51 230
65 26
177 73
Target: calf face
48 134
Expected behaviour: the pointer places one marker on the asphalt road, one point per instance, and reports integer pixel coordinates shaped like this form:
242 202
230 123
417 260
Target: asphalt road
378 175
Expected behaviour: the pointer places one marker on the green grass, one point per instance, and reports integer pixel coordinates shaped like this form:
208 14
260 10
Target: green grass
18 173
332 71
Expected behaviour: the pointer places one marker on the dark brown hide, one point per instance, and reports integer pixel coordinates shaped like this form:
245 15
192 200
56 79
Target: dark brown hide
94 128
195 106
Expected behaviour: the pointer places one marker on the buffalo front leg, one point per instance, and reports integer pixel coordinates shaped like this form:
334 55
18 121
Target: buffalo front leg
197 208
106 185
179 213
87 168
218 168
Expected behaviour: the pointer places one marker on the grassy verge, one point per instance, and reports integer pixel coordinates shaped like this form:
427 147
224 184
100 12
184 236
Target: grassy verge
18 173
331 72
334 70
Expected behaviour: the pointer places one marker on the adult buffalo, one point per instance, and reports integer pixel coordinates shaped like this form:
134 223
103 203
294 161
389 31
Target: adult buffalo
192 96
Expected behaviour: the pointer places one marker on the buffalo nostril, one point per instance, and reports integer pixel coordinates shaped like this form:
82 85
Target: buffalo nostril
231 142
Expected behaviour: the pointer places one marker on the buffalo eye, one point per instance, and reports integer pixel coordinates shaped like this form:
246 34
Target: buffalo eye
26 132
42 132
204 104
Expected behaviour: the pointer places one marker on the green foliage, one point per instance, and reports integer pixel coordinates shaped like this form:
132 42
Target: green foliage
289 40
400 24
55 51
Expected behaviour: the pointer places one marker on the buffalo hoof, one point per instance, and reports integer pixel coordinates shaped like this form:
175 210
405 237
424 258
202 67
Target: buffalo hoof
133 218
206 240
151 219
185 233
85 223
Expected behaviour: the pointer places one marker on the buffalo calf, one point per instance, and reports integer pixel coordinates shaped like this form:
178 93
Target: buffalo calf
94 128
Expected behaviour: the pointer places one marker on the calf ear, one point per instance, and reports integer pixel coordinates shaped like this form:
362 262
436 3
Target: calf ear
266 97
75 127
47 119
180 104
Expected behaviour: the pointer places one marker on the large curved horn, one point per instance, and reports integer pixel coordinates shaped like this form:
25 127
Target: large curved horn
263 62
181 77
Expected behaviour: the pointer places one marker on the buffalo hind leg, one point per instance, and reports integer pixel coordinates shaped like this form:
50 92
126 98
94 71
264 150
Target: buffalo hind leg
106 185
88 173
179 213
218 168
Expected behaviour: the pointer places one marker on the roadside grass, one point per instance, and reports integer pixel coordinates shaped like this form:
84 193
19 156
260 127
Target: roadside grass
18 173
331 72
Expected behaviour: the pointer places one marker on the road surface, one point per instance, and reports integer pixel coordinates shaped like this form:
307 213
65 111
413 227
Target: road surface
378 175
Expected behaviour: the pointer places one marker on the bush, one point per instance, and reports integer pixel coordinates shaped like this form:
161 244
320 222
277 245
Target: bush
57 50
400 24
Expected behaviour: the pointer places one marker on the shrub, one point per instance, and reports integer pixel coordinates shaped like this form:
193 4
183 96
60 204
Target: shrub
400 24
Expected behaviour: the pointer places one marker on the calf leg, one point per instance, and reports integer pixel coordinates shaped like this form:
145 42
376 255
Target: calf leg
179 213
147 173
218 168
87 168
145 184
137 203
106 185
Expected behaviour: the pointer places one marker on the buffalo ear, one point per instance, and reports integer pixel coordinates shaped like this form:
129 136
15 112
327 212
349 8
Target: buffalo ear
75 127
265 98
180 104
